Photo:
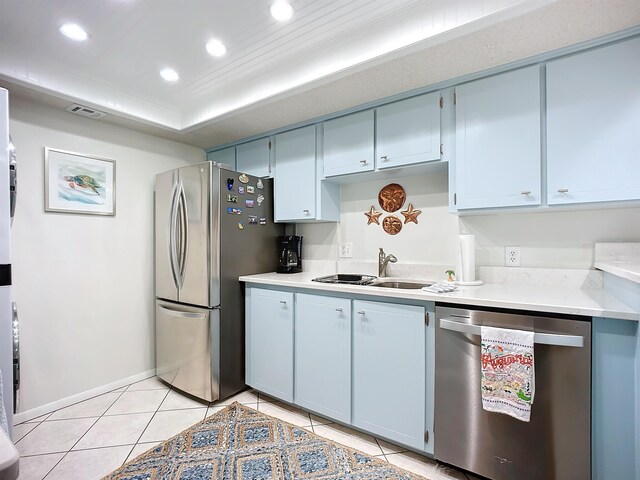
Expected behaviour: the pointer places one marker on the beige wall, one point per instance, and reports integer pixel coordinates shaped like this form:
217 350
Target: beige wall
84 284
552 239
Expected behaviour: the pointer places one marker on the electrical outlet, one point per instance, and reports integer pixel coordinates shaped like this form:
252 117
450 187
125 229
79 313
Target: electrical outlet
512 256
346 250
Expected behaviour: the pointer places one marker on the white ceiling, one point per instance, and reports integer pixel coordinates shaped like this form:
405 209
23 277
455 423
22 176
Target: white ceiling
269 65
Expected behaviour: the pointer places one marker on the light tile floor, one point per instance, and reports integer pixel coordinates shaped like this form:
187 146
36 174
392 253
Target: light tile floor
92 438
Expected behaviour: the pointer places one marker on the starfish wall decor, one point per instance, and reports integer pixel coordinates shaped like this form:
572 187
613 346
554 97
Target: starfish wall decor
391 198
373 216
411 214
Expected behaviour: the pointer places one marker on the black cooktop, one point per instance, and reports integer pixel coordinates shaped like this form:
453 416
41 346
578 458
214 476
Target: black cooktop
348 278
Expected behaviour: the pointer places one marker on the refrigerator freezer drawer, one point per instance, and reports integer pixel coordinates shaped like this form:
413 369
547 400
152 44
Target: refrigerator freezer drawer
186 357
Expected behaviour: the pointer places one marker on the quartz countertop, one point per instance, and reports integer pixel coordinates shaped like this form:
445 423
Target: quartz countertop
552 299
620 259
624 269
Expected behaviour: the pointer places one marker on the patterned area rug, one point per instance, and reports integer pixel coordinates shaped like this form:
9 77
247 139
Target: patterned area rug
240 443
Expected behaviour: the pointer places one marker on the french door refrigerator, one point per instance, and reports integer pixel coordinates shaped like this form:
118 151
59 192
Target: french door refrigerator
211 226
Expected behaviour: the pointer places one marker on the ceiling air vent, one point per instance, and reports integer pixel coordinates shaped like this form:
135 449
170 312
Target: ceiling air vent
85 111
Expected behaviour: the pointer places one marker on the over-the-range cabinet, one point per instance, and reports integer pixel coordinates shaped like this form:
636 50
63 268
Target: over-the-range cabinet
211 226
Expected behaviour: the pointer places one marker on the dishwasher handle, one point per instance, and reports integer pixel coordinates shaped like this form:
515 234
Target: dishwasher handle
540 338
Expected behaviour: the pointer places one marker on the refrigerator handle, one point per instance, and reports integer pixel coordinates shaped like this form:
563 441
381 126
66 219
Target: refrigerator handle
183 234
173 217
181 314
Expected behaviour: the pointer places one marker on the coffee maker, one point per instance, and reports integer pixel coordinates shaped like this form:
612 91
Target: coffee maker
289 254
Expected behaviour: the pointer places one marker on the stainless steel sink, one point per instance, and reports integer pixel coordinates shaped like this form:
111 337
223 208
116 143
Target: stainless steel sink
408 285
371 281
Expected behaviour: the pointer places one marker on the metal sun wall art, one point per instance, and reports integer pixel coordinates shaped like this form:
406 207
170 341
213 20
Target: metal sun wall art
391 199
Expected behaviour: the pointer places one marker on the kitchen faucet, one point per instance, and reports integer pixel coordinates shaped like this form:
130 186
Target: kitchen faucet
383 260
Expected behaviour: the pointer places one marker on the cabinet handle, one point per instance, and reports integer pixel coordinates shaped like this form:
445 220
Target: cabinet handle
305 211
563 190
363 162
384 158
283 301
526 192
339 309
361 312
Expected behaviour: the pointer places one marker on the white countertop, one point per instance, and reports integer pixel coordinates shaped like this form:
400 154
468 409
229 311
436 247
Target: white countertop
554 299
620 259
629 270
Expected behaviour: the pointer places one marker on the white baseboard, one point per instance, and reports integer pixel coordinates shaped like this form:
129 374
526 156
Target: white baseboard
79 397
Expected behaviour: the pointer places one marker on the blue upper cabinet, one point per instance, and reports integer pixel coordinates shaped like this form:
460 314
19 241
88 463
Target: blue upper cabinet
497 151
408 131
294 184
269 342
348 144
389 371
593 125
254 158
226 156
299 194
323 355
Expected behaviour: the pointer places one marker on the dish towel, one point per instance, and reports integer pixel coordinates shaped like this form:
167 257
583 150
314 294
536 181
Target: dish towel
508 371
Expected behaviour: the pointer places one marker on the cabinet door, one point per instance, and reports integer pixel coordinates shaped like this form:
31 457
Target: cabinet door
295 179
253 158
389 371
323 355
269 342
498 141
226 156
348 144
593 125
408 131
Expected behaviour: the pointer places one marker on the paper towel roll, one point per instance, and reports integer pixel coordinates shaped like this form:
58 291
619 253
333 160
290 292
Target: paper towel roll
466 258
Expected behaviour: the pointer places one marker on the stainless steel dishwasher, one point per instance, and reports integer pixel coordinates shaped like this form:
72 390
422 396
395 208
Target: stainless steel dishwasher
556 443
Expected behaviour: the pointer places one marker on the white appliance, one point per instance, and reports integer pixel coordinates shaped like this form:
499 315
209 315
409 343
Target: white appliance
8 318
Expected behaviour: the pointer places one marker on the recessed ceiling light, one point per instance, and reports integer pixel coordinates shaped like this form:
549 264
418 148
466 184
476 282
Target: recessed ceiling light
169 74
281 10
216 48
74 32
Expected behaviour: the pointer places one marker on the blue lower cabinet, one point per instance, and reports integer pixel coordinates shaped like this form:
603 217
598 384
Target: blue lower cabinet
615 436
323 355
389 371
269 342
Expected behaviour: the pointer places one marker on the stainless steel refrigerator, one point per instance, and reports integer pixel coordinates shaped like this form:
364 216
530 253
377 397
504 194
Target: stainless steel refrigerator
211 226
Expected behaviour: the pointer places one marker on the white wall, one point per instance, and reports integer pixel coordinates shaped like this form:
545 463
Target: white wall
84 284
551 239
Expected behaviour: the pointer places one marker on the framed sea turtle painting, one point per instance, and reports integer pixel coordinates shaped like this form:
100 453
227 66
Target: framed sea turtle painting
77 183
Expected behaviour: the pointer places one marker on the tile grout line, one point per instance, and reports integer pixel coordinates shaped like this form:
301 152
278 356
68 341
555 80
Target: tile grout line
259 401
384 455
62 419
148 423
47 415
82 436
209 405
79 450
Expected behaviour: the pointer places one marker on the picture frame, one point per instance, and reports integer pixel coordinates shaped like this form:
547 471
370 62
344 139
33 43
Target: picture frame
79 183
